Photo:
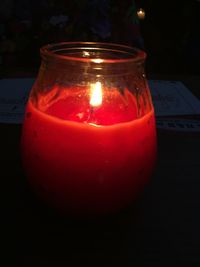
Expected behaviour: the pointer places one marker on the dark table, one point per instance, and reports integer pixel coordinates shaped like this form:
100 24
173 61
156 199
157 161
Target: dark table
162 228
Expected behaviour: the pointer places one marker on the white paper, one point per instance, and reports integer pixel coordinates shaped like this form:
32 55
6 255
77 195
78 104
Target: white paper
170 98
178 125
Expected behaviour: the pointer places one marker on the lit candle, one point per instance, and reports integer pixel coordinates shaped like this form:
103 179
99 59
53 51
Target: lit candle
141 13
87 151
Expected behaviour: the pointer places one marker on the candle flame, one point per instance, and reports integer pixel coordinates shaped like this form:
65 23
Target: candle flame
96 94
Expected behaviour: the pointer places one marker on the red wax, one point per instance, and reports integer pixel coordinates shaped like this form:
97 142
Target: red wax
88 160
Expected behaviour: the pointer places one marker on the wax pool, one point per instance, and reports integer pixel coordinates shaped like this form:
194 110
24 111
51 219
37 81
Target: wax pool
87 161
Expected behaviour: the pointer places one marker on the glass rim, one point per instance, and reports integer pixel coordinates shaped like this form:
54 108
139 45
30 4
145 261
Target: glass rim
133 54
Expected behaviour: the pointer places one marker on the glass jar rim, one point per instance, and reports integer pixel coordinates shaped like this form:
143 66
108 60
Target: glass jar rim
124 54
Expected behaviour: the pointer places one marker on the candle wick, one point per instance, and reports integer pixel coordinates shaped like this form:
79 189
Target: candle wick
91 110
90 114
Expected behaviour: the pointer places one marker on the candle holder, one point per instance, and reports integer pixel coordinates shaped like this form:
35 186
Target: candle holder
89 137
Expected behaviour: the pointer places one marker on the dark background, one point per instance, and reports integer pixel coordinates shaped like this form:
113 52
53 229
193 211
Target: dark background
169 33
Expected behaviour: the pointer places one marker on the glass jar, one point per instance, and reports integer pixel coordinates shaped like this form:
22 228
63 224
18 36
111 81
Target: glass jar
89 137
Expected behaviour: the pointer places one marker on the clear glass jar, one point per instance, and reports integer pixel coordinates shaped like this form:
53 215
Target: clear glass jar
89 137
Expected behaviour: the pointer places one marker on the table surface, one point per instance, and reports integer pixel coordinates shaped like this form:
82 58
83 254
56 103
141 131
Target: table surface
162 228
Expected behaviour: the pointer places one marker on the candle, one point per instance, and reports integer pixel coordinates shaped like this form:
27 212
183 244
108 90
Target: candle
84 153
141 13
89 138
